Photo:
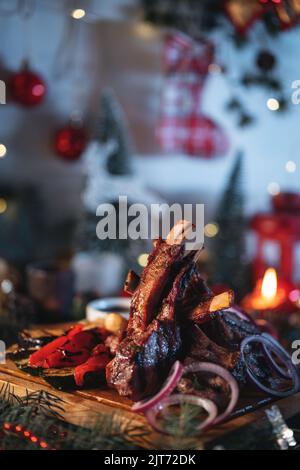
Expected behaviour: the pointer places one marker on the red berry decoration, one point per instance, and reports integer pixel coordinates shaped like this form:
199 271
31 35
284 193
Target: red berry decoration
70 142
27 87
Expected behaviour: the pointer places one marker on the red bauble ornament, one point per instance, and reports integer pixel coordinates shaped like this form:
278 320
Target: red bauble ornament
70 142
27 87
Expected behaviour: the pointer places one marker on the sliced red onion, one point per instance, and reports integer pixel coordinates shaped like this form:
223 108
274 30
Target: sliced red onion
226 375
283 371
167 388
272 345
204 403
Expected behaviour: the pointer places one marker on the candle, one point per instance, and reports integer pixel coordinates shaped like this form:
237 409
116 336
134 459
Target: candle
267 295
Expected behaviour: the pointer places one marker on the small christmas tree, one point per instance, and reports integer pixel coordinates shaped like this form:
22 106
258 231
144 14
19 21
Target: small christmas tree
228 246
112 129
109 175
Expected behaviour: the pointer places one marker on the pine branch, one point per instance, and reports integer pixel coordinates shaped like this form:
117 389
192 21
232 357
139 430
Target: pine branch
39 414
44 403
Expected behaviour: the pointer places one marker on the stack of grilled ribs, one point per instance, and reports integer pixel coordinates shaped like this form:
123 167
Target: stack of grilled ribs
174 315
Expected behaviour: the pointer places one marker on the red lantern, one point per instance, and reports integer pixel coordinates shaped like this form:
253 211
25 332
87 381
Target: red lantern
283 227
27 87
70 142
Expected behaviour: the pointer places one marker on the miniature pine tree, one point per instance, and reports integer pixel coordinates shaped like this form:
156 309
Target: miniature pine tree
112 128
229 245
109 175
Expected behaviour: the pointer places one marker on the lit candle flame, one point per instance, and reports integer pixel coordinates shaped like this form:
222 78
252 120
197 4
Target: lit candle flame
269 284
267 295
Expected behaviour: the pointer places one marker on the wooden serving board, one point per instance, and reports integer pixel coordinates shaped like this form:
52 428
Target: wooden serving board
82 407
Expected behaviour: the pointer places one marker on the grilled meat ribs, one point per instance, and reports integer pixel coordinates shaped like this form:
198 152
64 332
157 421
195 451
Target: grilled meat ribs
144 357
228 330
202 348
161 330
163 264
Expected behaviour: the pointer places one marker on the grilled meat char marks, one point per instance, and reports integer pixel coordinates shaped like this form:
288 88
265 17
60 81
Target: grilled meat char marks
143 360
146 354
202 348
228 330
163 265
161 329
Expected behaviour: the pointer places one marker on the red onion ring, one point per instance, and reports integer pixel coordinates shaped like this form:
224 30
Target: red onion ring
204 403
167 388
284 357
282 371
226 375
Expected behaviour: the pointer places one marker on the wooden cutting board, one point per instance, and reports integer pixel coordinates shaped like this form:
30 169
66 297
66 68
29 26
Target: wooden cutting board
84 406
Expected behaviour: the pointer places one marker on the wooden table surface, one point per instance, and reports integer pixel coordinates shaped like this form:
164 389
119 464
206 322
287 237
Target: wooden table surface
82 407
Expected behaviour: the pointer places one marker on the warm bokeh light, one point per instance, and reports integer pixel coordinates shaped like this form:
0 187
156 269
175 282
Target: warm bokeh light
269 284
267 294
3 205
3 150
6 286
145 30
78 13
38 90
273 104
143 259
273 188
290 166
214 68
294 295
211 229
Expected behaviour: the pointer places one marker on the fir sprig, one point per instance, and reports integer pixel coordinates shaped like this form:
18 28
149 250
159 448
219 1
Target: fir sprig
41 414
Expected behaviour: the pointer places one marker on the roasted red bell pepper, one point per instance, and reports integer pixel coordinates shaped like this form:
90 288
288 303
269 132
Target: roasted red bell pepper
68 350
95 364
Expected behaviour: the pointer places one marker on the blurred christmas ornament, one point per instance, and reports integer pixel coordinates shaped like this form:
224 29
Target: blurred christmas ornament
282 14
182 126
265 60
288 12
27 87
196 19
70 141
243 14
